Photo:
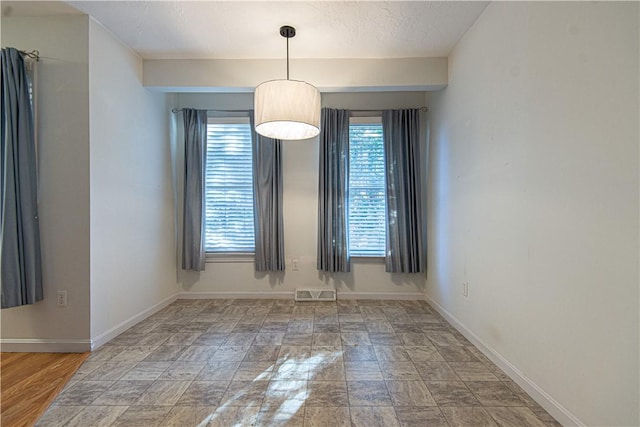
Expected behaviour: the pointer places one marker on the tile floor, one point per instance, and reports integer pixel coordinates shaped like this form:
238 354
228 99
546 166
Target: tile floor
276 362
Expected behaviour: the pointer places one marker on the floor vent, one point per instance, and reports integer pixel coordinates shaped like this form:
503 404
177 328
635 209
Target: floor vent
315 295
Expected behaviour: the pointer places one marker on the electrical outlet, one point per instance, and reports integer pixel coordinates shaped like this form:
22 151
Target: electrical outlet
465 289
295 264
61 300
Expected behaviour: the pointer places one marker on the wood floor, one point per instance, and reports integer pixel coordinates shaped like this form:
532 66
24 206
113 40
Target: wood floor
30 381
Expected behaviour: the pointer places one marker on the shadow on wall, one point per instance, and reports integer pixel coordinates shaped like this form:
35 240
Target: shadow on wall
416 280
346 280
276 278
338 280
188 278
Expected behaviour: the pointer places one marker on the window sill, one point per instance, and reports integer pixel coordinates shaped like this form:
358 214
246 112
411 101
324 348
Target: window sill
362 259
229 257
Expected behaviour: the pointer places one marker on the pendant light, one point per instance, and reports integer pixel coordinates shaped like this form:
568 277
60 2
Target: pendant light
287 109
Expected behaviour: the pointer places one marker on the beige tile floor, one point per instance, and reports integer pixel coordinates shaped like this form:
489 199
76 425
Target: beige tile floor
280 363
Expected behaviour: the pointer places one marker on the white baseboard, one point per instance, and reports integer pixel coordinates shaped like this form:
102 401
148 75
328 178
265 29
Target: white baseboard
123 326
290 295
231 294
381 295
34 345
559 412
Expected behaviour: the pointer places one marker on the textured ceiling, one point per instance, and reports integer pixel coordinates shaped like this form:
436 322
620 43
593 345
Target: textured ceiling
249 29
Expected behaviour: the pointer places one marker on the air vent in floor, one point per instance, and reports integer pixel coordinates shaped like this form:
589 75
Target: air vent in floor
315 295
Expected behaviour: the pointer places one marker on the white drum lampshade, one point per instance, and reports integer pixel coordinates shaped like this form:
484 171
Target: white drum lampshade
287 109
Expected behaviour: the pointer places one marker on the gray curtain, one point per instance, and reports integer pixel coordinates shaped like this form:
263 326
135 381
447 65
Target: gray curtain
333 254
401 129
195 155
20 234
267 202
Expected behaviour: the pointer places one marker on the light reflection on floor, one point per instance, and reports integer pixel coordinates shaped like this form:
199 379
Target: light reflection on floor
287 401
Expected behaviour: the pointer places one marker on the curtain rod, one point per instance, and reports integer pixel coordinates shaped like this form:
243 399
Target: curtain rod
176 110
34 54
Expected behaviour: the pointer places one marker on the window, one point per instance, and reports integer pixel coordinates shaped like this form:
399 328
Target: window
229 187
367 202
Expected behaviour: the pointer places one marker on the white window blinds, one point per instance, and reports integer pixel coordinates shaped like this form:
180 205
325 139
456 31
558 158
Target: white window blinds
367 218
229 187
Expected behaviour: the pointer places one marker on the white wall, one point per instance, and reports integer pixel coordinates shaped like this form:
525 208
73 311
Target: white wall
132 261
63 137
534 199
300 188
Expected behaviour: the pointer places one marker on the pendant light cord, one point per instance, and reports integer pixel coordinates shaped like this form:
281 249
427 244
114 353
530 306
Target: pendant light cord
287 31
